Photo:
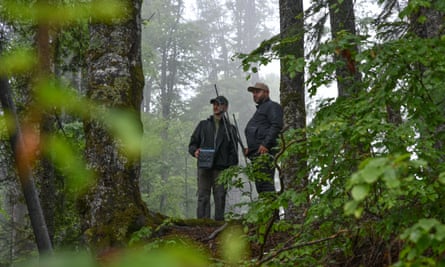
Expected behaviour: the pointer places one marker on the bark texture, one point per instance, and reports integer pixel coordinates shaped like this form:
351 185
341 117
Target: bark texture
45 169
113 208
22 157
292 96
341 14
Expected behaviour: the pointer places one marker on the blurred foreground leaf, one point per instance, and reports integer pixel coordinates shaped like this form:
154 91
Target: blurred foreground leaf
234 245
176 256
126 127
17 61
69 162
65 13
65 259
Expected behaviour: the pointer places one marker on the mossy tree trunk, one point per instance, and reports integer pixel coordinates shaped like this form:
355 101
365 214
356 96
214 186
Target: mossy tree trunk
292 96
113 207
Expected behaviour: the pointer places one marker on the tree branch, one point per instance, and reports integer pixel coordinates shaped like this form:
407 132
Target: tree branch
310 243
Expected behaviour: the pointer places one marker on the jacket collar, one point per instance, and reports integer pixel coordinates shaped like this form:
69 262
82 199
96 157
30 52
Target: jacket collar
262 102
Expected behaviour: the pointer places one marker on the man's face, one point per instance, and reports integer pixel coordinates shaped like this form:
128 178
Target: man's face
218 108
259 95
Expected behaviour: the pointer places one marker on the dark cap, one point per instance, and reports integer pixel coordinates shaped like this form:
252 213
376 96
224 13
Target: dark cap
261 86
220 100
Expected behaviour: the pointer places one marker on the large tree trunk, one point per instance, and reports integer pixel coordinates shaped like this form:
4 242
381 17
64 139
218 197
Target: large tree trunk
292 95
113 208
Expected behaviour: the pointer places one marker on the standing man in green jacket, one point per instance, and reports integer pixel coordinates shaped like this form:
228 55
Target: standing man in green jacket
214 144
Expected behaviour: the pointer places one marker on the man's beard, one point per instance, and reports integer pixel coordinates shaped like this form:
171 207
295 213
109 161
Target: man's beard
219 111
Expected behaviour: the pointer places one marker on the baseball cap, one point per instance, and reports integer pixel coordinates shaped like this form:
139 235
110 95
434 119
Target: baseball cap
220 100
261 86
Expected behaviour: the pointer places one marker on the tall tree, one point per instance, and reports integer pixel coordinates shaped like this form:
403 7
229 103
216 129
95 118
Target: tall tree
23 154
292 95
427 23
168 18
174 66
113 207
20 133
342 18
45 169
17 229
213 17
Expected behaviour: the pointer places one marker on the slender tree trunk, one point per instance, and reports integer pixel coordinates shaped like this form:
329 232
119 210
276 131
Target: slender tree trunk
165 105
429 23
292 95
341 14
148 88
247 20
45 168
342 19
168 81
22 156
16 231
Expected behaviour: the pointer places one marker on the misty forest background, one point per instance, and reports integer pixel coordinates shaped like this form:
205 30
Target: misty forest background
99 99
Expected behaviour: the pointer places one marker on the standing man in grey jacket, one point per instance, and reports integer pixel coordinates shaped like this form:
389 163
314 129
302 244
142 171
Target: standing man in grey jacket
214 144
262 132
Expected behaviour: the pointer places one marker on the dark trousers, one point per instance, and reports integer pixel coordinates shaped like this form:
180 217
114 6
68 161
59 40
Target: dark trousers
206 184
266 185
267 169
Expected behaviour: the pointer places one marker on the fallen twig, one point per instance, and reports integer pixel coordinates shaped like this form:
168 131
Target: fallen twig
276 253
216 232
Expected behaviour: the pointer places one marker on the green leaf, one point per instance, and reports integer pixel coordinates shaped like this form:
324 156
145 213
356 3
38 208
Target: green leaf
358 212
359 192
234 245
16 62
127 128
427 224
68 162
369 175
100 10
374 169
50 94
390 178
442 178
350 207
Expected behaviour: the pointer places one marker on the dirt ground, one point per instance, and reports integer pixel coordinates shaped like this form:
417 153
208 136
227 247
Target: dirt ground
208 237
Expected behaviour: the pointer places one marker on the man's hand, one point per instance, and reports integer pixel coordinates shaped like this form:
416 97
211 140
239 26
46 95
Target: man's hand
263 150
197 152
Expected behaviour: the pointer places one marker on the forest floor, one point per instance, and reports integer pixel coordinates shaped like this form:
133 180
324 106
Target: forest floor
207 236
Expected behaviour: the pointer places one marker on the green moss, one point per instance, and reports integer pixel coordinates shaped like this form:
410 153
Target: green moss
197 222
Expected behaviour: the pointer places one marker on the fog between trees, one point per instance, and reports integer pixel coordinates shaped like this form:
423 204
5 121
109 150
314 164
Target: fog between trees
362 179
